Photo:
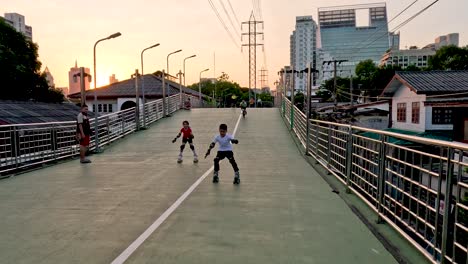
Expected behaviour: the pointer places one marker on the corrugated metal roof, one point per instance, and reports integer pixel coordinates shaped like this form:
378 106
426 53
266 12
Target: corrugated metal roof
436 81
17 112
153 88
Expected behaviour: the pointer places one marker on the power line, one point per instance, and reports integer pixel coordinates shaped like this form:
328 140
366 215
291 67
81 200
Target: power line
222 23
233 12
403 23
399 14
229 17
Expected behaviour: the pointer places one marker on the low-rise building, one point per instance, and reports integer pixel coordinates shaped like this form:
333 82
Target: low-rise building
431 103
122 95
405 58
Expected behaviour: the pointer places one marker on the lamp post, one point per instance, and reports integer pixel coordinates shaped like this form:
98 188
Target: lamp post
96 113
167 68
143 83
199 85
193 56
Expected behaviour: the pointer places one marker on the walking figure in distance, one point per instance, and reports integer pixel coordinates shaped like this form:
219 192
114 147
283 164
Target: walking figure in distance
243 106
187 136
224 151
83 133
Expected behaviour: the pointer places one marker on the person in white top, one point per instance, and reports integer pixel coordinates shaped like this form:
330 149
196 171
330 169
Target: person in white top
224 151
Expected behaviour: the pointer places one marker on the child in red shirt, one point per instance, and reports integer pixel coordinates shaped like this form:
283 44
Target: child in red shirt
187 136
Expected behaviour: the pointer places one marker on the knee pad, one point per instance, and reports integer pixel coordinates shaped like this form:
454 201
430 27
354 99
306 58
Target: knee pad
182 147
216 159
192 147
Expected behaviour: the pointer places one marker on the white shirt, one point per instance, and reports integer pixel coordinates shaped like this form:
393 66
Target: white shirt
224 142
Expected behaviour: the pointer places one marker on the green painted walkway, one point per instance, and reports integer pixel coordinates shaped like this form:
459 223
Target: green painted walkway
283 211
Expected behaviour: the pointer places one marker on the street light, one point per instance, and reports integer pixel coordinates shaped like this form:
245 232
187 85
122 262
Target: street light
167 68
96 113
143 83
199 85
193 56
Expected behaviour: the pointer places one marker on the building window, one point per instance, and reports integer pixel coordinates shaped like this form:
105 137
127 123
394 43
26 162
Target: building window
415 113
99 107
401 112
110 108
442 116
105 108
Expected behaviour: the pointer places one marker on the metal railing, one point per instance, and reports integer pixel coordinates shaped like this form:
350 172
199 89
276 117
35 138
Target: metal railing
419 186
26 145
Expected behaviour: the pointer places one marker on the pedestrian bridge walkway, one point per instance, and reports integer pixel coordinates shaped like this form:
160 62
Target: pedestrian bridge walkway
135 204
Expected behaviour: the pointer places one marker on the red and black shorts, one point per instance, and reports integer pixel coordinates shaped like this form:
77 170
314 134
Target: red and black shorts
185 140
85 141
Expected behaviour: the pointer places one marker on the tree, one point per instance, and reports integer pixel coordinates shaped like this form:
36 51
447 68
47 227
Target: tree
20 69
449 58
224 90
365 69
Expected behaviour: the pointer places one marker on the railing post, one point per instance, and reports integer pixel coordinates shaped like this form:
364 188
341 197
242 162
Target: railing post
329 148
317 134
108 129
15 148
381 176
292 117
54 141
447 206
349 159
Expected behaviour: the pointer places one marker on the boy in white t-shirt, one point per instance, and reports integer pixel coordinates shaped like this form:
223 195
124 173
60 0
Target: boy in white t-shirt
224 151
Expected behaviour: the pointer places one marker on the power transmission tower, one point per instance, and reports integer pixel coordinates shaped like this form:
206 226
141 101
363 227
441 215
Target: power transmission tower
263 78
252 34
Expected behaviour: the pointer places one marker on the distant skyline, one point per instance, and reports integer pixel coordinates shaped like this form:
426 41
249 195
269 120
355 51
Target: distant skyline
66 31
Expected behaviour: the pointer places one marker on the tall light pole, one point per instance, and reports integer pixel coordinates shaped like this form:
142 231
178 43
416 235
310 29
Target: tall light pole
193 56
143 83
167 68
96 112
199 85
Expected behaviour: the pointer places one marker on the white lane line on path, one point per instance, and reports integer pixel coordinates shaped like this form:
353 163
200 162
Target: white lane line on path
153 227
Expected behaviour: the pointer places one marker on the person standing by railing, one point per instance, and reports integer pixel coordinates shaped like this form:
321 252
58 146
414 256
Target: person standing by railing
83 133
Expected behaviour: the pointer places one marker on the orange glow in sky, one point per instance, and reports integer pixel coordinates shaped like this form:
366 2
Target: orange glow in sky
67 30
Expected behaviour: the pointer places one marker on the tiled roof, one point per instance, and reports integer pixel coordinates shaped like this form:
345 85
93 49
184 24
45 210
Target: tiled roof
436 81
17 112
126 88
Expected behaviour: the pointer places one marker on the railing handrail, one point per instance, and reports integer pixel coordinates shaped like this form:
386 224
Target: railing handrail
428 141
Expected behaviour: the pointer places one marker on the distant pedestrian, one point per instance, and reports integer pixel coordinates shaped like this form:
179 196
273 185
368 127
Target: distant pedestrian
83 132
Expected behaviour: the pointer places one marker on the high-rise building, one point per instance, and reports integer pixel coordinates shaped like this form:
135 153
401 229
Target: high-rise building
395 41
446 40
18 22
74 87
343 39
303 48
112 79
49 77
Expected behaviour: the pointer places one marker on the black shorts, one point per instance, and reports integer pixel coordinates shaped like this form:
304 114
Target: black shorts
185 140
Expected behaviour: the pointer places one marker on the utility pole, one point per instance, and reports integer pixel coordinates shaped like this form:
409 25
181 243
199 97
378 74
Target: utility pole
252 44
335 62
180 88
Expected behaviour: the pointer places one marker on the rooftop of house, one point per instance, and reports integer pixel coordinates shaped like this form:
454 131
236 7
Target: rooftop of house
26 112
429 82
126 88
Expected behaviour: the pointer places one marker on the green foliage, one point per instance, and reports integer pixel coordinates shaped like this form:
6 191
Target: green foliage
449 58
225 89
365 69
20 69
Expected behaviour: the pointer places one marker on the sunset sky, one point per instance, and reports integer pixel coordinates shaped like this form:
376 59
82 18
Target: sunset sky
67 30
